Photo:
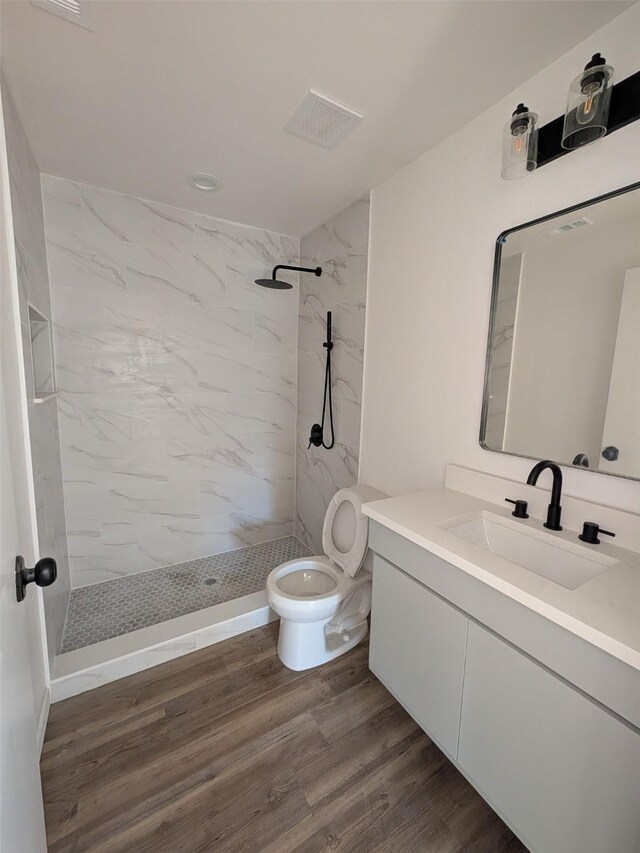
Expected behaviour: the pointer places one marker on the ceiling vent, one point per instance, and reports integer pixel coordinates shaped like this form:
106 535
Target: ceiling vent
569 226
70 10
322 120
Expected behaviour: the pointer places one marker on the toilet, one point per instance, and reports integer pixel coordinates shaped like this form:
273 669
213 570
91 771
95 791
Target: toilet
323 602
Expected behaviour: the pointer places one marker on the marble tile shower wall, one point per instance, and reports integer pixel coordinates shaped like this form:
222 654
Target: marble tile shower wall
340 246
33 284
176 378
502 351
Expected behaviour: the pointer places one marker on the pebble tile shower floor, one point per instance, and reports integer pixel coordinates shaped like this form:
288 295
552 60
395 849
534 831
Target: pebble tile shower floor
110 609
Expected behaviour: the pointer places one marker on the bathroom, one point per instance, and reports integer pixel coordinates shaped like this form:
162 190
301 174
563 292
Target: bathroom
178 685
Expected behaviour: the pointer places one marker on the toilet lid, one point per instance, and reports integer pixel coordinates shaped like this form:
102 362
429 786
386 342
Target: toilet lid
346 528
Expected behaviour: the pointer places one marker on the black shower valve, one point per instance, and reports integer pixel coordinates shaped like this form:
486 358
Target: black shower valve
316 436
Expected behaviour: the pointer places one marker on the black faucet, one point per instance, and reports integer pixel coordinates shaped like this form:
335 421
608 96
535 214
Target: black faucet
554 511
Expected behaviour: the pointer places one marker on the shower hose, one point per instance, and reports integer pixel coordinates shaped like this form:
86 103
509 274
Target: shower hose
327 386
317 430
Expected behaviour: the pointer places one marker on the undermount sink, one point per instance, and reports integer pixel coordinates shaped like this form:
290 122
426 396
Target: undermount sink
562 562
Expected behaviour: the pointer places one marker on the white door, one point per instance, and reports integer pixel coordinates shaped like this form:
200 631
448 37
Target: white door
23 662
620 437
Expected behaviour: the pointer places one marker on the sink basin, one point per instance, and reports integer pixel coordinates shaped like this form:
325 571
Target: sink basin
562 562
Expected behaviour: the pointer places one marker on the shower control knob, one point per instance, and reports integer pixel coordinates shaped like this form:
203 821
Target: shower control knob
43 573
316 436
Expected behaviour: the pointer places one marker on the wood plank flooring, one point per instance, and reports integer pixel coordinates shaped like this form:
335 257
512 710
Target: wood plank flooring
226 751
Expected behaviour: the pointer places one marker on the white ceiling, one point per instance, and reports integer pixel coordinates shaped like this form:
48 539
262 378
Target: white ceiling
162 88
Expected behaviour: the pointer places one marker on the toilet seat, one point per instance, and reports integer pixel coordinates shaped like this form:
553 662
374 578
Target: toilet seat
345 531
307 607
307 565
306 582
344 539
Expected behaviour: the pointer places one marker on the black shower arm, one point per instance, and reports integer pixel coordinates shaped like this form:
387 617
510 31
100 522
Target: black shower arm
314 270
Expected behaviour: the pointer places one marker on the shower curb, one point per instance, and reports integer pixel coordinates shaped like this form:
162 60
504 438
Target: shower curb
89 667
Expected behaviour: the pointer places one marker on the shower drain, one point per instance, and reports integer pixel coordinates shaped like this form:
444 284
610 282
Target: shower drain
210 581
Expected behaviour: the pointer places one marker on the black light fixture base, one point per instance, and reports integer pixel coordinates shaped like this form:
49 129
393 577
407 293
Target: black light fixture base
624 109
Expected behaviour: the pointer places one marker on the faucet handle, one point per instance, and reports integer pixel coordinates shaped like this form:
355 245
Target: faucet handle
520 510
591 531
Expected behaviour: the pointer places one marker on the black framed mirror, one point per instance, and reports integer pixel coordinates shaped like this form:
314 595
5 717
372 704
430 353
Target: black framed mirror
562 376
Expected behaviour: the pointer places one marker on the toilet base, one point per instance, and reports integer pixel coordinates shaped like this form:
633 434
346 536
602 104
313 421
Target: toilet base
303 645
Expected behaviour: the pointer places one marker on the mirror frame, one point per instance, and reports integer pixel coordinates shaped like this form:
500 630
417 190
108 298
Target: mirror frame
500 241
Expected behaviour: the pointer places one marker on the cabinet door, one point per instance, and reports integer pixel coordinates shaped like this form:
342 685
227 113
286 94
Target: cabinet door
417 651
562 771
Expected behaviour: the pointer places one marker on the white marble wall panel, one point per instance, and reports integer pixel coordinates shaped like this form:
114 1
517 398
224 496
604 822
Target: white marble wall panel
340 246
42 366
177 381
502 350
33 283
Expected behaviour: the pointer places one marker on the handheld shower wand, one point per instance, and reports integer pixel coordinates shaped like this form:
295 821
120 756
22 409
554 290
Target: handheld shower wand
317 430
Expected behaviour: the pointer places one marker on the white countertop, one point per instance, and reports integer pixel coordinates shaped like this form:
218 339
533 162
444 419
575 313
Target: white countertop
604 611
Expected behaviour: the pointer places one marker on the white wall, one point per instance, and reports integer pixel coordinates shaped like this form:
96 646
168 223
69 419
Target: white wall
622 422
433 230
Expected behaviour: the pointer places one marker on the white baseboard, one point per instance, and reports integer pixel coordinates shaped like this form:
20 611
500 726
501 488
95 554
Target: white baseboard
43 716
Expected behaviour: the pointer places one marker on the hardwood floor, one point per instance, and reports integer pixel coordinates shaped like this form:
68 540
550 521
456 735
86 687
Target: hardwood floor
225 750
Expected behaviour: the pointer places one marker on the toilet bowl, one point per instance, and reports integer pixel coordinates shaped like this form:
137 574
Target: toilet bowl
323 602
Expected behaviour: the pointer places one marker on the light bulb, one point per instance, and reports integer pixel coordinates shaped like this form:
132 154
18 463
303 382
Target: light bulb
589 107
520 145
588 102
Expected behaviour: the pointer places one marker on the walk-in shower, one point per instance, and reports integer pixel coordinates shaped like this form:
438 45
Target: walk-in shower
177 433
170 461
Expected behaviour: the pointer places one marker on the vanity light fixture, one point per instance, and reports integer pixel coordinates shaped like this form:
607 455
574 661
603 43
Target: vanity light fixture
520 144
204 181
588 103
595 108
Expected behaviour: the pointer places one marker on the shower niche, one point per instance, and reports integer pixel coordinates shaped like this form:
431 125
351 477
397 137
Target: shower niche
41 356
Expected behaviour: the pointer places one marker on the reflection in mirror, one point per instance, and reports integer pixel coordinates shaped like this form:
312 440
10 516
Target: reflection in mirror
563 362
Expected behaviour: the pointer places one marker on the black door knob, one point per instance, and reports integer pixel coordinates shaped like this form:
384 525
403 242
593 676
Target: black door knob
611 453
43 573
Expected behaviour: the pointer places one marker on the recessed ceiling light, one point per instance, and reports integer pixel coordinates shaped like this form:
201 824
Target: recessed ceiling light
205 182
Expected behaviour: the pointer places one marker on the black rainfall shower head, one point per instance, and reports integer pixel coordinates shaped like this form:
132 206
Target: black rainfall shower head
275 283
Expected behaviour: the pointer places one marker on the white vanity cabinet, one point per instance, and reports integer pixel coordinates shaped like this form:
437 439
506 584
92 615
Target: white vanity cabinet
564 771
417 650
560 768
